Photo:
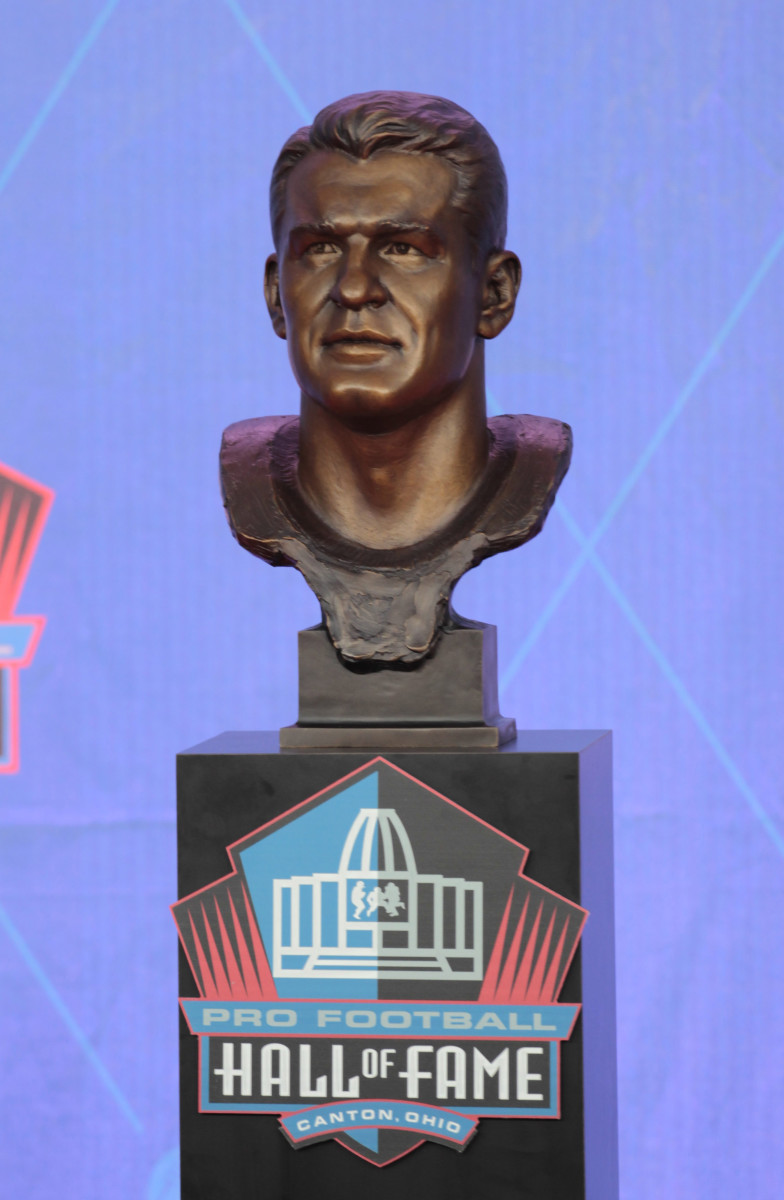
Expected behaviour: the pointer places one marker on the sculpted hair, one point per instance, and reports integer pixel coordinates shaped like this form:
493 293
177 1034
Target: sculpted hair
363 124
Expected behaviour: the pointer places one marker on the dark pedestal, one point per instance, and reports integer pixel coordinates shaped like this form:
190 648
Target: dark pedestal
550 791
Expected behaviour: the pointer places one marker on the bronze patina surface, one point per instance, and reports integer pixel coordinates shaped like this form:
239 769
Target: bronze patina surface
388 605
389 219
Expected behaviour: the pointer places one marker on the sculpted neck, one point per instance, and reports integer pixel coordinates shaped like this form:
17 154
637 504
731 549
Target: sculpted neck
393 488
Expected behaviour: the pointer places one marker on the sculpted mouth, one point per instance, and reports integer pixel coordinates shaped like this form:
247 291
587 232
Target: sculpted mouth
361 337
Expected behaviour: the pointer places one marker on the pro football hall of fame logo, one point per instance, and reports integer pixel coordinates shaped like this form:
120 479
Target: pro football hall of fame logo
24 506
377 969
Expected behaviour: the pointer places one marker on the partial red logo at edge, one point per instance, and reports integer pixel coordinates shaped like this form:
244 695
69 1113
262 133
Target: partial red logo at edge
24 507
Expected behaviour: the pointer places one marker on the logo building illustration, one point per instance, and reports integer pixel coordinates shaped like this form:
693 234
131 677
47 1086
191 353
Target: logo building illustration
376 917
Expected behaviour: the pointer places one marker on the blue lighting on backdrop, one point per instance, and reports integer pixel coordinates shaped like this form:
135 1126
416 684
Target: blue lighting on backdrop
645 154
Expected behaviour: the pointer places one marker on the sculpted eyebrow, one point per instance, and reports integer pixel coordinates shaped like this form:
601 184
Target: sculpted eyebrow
324 229
321 228
402 227
433 243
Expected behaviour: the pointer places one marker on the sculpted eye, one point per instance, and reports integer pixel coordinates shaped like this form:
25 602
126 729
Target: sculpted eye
403 249
322 248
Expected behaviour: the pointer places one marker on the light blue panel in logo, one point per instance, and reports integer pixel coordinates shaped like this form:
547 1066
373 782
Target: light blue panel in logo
309 846
366 1137
390 1019
15 638
385 1114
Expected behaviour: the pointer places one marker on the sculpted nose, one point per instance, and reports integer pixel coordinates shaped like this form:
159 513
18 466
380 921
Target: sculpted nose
357 284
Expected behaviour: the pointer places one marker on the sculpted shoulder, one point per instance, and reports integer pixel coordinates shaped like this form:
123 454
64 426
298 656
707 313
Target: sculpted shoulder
249 496
542 449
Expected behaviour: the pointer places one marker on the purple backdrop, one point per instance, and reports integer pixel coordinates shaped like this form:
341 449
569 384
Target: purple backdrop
646 159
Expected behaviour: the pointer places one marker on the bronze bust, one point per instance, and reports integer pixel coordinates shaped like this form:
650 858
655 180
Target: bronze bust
389 221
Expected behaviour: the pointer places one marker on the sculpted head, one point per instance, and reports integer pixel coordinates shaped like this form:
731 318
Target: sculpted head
389 274
389 219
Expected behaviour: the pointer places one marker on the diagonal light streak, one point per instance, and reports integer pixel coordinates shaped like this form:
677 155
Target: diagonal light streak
672 677
73 1027
659 434
51 100
275 70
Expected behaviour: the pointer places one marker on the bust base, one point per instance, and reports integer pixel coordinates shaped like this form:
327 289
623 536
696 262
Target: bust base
447 701
399 737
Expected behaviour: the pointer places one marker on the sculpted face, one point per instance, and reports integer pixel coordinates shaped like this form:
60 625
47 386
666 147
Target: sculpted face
375 286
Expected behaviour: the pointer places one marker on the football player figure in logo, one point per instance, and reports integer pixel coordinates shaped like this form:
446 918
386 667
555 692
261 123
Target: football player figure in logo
358 898
389 276
387 898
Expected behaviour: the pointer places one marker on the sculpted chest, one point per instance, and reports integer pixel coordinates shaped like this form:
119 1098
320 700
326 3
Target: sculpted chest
388 606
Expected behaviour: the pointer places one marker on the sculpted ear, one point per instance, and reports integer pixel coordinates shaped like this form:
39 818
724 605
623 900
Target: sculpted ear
272 295
502 283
